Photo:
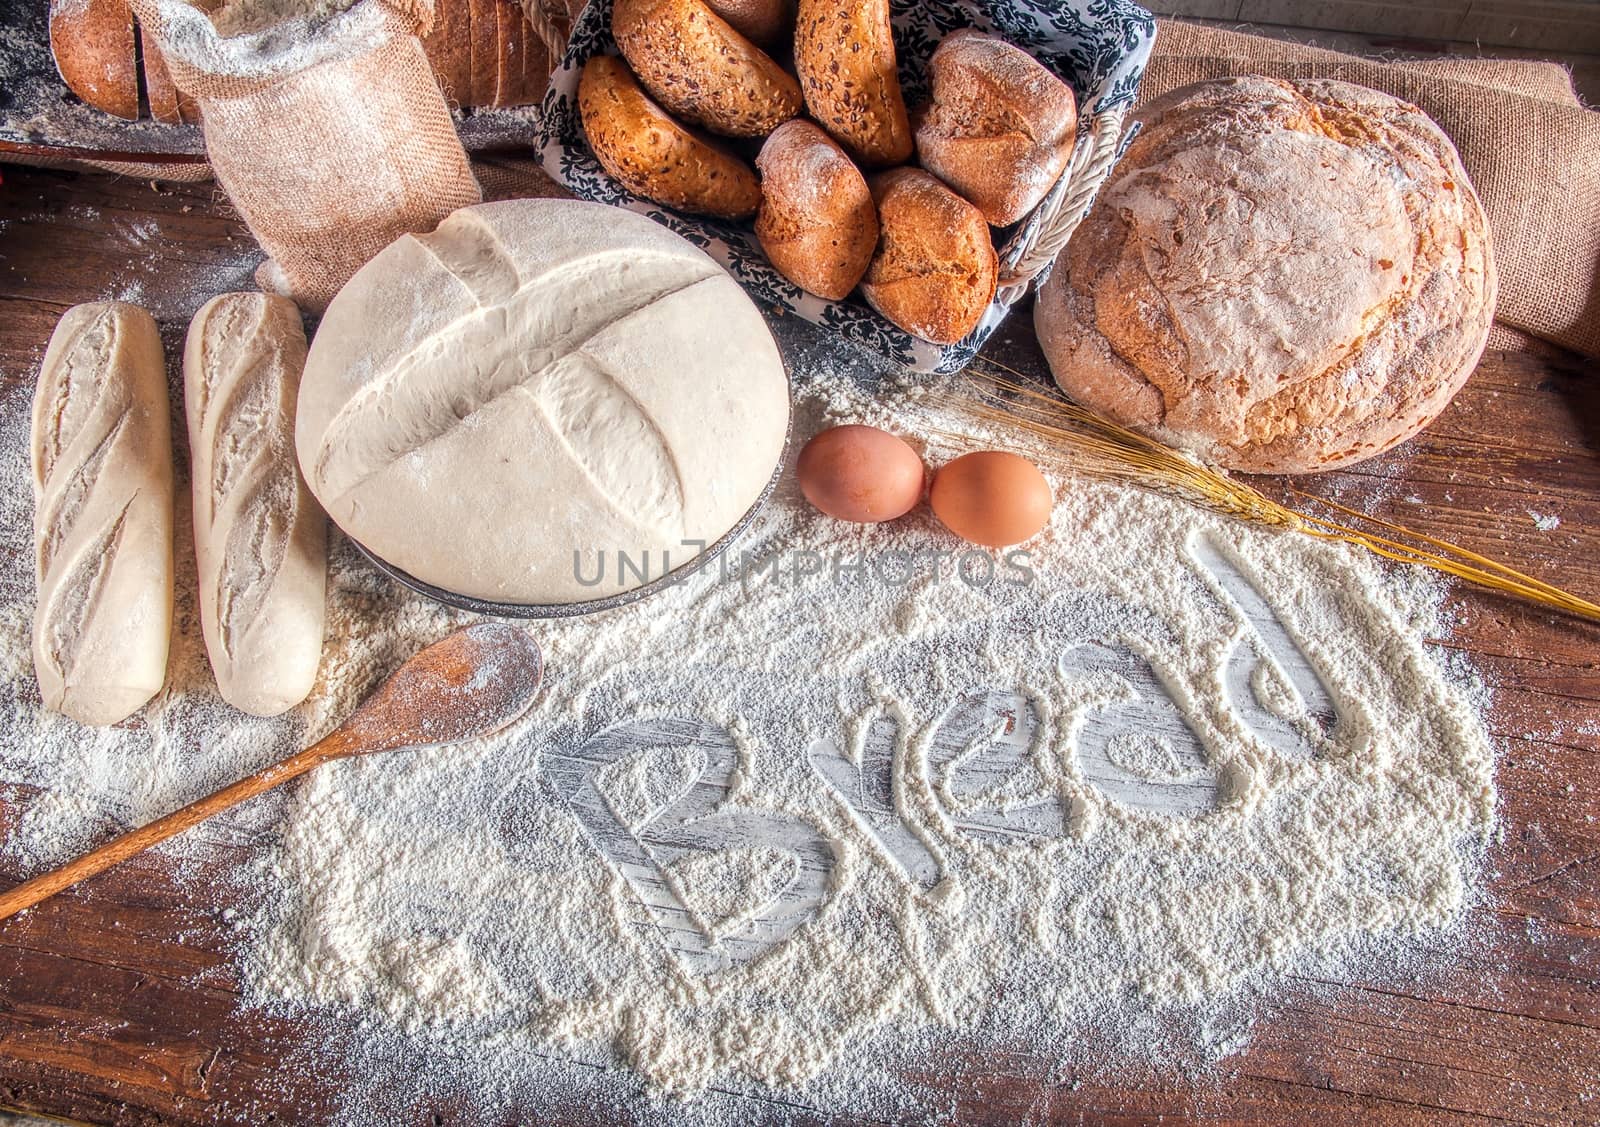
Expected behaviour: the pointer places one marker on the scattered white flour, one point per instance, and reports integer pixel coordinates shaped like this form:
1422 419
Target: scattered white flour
248 17
1545 522
266 38
1219 787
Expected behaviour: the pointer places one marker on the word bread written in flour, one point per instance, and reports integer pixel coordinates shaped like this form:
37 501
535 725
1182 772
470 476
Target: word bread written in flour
102 482
724 884
663 850
537 379
1136 744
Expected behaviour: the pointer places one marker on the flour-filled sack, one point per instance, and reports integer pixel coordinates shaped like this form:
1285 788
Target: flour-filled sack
502 407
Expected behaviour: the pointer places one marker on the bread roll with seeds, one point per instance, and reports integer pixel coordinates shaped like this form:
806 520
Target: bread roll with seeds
817 223
259 537
102 487
935 269
844 52
702 70
652 155
1281 276
999 128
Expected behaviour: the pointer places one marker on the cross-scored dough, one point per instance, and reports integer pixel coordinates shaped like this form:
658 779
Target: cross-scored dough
540 380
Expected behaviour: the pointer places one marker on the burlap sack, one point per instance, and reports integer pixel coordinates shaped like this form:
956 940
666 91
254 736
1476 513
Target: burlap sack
1531 149
331 140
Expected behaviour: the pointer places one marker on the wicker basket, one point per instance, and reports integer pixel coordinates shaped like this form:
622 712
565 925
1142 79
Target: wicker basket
1097 46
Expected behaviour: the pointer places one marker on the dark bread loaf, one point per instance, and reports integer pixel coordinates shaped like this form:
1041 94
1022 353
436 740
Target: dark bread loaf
93 45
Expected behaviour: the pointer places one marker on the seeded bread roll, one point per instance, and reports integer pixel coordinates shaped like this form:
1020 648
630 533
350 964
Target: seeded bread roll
817 223
259 538
102 487
844 53
999 128
760 21
1279 276
652 155
702 70
935 270
92 41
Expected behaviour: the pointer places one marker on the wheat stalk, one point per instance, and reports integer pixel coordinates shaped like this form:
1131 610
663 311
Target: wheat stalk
1115 453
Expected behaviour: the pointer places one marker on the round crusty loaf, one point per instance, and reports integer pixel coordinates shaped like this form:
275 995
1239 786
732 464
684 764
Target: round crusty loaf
1279 276
701 69
817 223
844 54
652 155
999 127
93 46
935 270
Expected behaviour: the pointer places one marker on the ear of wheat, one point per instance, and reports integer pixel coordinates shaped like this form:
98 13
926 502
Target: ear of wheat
1106 450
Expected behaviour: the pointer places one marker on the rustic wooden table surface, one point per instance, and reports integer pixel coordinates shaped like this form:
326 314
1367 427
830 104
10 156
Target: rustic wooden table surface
119 999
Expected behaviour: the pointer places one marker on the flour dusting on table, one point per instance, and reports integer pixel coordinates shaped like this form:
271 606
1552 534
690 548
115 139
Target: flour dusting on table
844 790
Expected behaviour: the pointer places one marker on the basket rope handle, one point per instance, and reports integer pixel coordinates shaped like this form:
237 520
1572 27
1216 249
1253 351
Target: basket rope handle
551 24
1060 213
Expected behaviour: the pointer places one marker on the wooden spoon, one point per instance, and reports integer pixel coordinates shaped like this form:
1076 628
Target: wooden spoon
473 683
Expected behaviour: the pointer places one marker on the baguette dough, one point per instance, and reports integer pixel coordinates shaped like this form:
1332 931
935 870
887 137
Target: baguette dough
102 487
1279 276
540 379
259 538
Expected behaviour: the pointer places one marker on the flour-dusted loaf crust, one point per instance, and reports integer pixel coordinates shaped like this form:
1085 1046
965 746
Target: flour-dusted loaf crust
844 53
817 224
535 380
93 45
102 484
259 537
700 69
1280 276
935 269
639 144
998 127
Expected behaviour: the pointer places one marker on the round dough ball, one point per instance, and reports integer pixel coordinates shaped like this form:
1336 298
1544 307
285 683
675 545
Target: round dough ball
1279 276
502 407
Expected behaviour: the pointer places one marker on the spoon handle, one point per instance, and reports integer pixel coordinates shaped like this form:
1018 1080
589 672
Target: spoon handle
114 852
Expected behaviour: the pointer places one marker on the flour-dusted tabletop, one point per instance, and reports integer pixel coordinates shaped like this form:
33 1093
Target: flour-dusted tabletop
119 999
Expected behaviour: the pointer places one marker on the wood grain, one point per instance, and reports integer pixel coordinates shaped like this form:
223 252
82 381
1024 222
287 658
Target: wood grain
119 999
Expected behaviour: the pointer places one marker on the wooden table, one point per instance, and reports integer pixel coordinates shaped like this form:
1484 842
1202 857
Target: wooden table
118 1000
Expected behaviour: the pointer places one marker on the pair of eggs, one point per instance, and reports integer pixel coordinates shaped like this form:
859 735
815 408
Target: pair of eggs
866 475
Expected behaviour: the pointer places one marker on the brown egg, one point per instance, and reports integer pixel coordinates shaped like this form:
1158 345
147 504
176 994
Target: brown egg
860 473
991 497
